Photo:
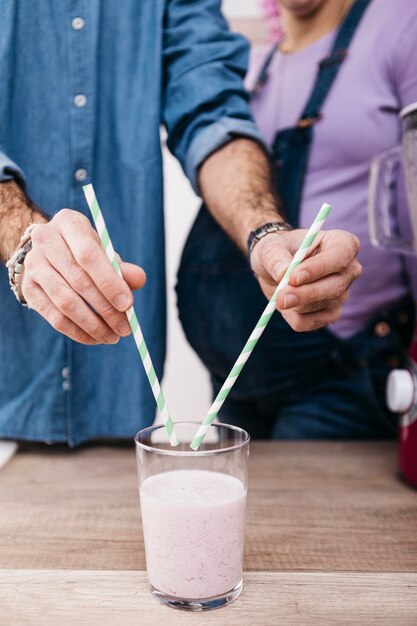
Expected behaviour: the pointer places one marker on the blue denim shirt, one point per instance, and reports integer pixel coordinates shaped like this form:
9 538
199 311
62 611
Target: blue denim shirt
133 65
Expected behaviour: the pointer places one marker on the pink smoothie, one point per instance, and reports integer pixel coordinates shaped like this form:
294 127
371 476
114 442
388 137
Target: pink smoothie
193 524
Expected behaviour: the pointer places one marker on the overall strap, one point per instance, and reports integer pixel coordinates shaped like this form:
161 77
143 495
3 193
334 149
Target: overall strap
263 72
329 66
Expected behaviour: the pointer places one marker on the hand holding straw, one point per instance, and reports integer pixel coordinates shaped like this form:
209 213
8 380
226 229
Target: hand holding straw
131 316
260 326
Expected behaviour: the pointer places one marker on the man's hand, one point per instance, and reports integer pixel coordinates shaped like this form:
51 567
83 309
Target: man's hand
68 279
236 183
319 285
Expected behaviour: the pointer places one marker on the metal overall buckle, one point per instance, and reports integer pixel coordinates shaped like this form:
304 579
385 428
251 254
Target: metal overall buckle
307 122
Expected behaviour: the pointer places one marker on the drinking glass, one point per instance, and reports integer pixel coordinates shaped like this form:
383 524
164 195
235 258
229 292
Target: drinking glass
193 514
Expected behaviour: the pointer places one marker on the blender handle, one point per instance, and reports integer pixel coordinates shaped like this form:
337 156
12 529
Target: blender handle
381 182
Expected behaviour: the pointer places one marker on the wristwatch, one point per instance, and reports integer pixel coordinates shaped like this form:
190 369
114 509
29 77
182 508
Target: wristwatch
262 231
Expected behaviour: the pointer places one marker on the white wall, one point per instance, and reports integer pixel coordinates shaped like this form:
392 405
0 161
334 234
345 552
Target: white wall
241 8
186 384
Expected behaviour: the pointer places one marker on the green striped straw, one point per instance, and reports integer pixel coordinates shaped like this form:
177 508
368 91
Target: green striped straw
260 326
131 316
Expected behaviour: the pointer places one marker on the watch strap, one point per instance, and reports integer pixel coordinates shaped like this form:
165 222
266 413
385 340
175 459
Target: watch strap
266 229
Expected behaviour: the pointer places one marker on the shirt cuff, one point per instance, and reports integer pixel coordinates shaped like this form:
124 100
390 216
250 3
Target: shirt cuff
10 171
214 137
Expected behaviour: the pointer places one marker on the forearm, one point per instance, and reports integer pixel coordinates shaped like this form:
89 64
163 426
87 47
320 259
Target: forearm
237 187
16 213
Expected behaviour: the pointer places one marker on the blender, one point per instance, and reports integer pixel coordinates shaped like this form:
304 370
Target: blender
393 172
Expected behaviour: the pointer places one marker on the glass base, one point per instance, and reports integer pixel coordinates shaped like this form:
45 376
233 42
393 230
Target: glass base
201 604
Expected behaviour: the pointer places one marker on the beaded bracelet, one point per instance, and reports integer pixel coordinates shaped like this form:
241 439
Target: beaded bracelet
16 262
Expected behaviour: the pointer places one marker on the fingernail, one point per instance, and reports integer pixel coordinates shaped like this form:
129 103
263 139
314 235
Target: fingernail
122 302
112 338
279 270
123 329
290 301
302 277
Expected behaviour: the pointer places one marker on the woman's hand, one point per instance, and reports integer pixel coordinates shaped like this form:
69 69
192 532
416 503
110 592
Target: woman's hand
319 285
68 279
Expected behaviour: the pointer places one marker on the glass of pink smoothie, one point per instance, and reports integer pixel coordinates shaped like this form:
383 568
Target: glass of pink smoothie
193 514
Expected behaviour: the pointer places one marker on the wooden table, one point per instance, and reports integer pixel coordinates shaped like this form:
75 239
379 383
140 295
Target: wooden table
331 539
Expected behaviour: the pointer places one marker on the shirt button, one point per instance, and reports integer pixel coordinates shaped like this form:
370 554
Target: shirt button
66 385
65 372
382 329
78 23
80 174
80 100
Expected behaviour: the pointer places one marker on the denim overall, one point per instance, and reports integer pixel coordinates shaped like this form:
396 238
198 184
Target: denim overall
295 385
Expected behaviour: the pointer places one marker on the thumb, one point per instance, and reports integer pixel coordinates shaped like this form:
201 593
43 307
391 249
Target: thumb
271 257
133 274
281 267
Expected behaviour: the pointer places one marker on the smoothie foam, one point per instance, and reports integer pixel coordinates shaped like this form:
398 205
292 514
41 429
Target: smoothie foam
193 522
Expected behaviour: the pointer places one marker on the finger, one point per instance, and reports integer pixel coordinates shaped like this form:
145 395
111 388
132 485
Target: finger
89 254
271 257
327 288
323 305
336 258
312 321
70 303
61 259
133 275
39 302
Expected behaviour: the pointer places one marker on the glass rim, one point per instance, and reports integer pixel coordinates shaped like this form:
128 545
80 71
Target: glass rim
409 109
194 453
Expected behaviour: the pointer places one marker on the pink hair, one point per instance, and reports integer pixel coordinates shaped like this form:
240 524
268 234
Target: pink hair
273 17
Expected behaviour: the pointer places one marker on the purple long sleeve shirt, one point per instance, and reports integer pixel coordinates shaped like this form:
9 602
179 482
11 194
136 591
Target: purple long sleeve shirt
360 120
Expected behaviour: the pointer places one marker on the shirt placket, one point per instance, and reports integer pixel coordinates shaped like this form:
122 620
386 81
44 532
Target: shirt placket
81 76
81 59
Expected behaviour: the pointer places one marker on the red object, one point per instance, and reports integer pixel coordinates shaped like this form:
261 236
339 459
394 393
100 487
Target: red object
407 431
407 435
408 451
413 350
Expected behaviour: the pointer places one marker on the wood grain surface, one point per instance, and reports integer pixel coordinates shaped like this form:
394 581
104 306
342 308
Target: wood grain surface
312 507
115 598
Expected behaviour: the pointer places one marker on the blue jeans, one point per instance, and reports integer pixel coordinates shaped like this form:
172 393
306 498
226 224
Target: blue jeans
294 385
338 407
